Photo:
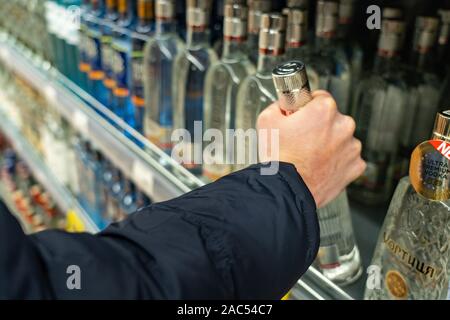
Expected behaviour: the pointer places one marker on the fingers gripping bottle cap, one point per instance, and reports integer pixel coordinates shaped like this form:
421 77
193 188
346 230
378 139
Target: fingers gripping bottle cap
292 85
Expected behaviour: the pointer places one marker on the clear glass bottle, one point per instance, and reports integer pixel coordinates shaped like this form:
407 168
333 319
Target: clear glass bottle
257 91
71 38
413 250
189 73
297 34
328 66
379 113
96 74
83 59
122 49
222 83
108 25
115 193
144 29
159 57
128 201
348 44
424 85
256 8
338 257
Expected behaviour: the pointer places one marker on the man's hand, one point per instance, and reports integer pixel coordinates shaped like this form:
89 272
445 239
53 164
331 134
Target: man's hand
319 141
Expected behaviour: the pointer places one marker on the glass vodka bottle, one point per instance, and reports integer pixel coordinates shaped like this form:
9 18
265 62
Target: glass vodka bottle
108 25
379 113
144 29
96 75
348 44
71 38
338 256
328 67
297 34
423 90
122 49
222 83
257 91
189 75
159 57
413 250
256 8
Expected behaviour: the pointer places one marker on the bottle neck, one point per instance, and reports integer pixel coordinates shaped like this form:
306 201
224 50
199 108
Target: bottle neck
165 25
233 48
267 62
197 36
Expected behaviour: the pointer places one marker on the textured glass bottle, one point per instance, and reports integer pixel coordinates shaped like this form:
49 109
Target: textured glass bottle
328 66
144 29
379 112
159 56
257 91
222 84
108 25
189 75
122 49
338 256
256 8
423 91
413 248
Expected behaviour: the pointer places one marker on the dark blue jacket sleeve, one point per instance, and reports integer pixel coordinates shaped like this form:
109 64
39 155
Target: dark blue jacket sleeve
246 236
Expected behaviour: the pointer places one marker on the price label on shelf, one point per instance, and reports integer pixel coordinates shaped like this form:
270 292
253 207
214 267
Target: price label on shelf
74 223
50 93
143 177
81 123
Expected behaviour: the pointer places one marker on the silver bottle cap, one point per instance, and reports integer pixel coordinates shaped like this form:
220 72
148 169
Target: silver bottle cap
235 21
426 33
256 9
326 18
297 27
444 32
392 13
391 37
272 34
441 128
165 9
198 12
292 85
346 10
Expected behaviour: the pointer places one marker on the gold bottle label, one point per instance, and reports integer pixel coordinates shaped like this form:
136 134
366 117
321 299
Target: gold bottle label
429 170
396 285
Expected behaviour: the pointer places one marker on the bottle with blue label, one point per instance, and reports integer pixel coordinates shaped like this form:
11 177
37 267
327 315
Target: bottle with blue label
121 45
83 60
94 51
159 56
109 21
144 29
189 75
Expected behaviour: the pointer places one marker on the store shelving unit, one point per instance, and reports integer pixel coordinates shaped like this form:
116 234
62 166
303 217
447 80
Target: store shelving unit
152 170
64 199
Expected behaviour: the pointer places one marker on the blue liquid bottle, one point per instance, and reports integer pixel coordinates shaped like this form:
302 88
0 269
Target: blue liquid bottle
109 21
121 45
189 75
144 29
94 51
160 53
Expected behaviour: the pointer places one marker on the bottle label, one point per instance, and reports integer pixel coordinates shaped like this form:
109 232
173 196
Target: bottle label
328 257
120 68
430 169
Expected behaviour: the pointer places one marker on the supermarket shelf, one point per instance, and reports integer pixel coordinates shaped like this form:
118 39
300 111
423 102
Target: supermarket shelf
157 174
42 173
151 169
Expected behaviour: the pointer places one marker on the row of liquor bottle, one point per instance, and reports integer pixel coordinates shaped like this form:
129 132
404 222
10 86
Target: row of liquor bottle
139 67
103 190
412 257
30 200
